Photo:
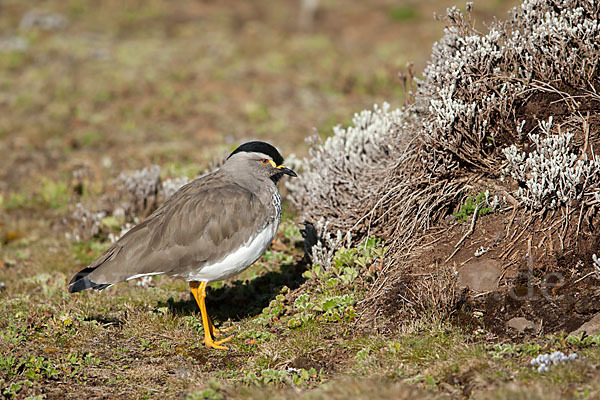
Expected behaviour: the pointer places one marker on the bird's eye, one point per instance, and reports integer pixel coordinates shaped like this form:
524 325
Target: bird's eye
264 161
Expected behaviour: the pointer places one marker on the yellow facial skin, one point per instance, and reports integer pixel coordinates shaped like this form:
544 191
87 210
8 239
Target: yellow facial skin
275 165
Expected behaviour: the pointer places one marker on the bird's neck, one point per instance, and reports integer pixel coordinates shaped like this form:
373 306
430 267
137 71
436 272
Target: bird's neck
264 188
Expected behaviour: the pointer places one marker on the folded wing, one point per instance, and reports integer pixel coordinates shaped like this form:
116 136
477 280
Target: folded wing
199 225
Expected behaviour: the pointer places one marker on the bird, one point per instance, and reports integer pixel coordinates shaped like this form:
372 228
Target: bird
209 230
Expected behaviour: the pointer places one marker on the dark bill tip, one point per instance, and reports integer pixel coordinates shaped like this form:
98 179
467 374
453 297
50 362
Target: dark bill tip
289 172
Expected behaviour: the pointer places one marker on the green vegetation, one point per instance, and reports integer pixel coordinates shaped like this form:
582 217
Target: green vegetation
290 343
54 194
471 204
45 194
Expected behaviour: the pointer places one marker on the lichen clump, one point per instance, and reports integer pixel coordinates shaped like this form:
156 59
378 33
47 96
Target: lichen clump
553 174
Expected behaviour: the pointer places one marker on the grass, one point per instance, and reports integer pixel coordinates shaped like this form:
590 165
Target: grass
177 85
402 13
143 342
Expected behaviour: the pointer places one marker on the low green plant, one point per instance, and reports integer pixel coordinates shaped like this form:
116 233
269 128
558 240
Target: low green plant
402 13
54 194
467 209
15 201
256 336
581 340
181 168
13 389
145 343
347 263
274 310
331 294
362 354
210 391
515 350
205 394
9 364
277 257
13 334
546 344
113 222
291 232
12 60
74 364
40 368
331 308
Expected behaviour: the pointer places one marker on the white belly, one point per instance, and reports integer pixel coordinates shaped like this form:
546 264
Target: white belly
237 261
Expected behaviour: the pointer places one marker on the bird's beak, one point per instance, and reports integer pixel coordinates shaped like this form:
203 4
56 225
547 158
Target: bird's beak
287 171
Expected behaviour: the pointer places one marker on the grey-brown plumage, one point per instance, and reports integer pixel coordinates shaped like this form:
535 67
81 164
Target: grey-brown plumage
210 229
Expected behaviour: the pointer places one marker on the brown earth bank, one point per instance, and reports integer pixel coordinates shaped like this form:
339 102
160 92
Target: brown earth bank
516 273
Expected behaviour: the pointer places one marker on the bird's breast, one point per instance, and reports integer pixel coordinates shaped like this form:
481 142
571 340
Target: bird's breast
276 203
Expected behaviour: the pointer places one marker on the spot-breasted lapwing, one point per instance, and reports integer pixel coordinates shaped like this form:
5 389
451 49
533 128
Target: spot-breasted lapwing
211 229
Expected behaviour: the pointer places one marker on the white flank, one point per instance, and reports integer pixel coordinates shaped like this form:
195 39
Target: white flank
141 275
237 261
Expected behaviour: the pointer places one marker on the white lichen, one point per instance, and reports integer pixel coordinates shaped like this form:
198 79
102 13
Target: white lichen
339 174
596 265
465 107
13 43
543 362
140 190
474 78
327 244
551 175
87 224
47 21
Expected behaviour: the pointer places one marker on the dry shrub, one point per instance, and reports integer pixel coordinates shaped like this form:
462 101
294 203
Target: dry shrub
475 83
84 223
134 195
345 172
481 109
433 295
471 104
139 191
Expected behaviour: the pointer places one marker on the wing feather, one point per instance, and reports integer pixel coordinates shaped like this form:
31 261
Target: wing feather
200 224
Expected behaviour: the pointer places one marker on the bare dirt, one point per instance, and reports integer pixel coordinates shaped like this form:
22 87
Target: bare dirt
549 287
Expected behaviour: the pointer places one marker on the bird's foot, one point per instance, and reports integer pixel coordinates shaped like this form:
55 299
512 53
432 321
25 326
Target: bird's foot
218 332
211 344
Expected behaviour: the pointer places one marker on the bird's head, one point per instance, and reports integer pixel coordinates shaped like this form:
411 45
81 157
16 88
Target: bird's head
259 160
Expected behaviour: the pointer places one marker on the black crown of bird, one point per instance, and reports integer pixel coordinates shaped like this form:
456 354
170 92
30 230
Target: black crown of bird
199 233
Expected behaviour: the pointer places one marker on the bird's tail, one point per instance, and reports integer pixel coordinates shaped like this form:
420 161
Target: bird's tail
81 281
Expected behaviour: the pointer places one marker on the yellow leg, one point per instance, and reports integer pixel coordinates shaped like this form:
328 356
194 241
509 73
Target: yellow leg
199 292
